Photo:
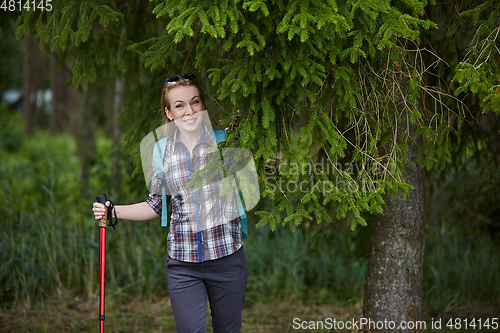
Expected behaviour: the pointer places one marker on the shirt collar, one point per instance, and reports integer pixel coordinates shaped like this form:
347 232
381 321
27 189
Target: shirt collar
206 137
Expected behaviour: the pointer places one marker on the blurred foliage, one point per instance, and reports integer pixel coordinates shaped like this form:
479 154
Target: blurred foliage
465 195
461 269
11 68
12 125
49 237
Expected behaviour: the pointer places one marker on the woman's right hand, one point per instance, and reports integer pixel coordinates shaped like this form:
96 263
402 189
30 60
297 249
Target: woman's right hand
99 210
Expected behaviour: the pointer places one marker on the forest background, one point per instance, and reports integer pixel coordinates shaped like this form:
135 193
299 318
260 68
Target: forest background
94 71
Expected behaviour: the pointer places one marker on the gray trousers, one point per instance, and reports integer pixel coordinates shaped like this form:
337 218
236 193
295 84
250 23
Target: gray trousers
223 280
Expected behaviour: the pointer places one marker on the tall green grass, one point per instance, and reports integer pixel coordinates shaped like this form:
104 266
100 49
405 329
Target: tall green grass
318 263
49 244
461 269
50 241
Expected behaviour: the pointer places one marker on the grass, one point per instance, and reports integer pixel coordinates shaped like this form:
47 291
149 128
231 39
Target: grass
312 263
77 314
461 269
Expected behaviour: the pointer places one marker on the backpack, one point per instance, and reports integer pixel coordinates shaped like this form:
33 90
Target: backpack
158 153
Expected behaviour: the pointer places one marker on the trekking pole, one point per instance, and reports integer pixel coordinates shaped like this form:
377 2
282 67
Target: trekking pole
102 257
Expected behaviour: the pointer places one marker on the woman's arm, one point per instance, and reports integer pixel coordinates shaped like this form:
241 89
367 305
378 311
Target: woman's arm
136 212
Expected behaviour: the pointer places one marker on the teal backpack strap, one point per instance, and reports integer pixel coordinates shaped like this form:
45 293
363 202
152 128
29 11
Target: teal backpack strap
158 154
220 135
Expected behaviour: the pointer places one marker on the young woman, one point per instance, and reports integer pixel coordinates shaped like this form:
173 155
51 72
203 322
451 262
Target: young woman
202 262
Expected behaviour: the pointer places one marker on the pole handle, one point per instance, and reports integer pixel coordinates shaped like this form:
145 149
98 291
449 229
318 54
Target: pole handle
101 198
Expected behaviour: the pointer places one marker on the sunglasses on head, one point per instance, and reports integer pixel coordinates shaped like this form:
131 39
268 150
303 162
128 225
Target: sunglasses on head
187 77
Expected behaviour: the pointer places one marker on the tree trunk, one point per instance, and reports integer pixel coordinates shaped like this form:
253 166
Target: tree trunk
117 108
57 88
29 86
393 286
86 141
71 118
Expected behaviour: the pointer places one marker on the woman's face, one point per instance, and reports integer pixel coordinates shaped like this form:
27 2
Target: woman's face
185 107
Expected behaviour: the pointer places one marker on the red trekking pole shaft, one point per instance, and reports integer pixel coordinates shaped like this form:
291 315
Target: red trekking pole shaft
102 258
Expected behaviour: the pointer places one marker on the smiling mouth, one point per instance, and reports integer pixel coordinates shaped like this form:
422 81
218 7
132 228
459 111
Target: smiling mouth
189 121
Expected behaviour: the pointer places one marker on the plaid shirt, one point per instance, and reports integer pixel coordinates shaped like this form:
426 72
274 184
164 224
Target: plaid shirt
197 232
